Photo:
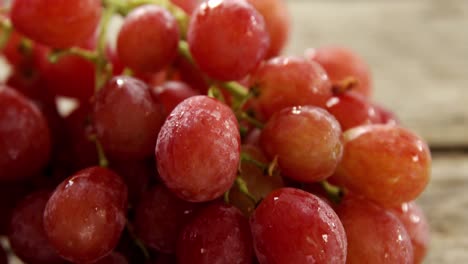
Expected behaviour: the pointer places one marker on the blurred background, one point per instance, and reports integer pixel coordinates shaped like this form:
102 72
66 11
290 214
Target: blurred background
418 53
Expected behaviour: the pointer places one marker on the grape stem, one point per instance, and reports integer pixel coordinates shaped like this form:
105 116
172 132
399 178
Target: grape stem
103 67
334 193
56 55
137 241
242 186
245 157
103 161
7 29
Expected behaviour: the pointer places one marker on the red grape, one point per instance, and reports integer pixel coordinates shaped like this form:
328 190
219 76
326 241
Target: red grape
171 93
293 226
412 217
24 136
159 218
26 234
56 23
374 235
352 109
387 164
341 63
127 119
276 18
85 215
187 5
289 81
198 148
240 41
148 39
307 141
219 234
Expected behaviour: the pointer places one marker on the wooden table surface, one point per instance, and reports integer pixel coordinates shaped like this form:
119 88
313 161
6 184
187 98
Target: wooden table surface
418 52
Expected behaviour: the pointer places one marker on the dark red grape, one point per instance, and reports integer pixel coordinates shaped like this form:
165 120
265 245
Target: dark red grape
10 195
160 216
198 148
341 63
127 119
306 140
289 81
56 23
26 233
148 39
388 164
374 235
85 215
415 222
171 93
218 234
276 18
236 48
293 226
24 136
352 109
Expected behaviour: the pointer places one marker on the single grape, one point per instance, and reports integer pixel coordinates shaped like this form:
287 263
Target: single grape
289 81
415 222
341 63
127 119
56 23
293 226
352 109
236 48
277 23
159 218
306 140
374 234
26 233
85 215
388 164
257 182
197 151
171 93
218 234
24 136
148 39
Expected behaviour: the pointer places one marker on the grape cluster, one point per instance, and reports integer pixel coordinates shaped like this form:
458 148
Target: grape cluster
192 139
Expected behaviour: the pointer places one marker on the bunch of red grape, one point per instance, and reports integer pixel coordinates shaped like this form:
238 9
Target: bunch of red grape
193 140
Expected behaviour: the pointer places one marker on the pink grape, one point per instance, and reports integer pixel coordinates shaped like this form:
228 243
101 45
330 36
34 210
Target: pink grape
236 48
195 136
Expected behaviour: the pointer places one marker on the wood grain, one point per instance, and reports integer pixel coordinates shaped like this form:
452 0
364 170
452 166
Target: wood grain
417 50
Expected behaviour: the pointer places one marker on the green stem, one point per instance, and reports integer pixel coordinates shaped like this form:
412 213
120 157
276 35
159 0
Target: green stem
184 50
247 158
242 186
7 29
334 193
245 117
103 161
56 55
137 241
236 89
103 67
